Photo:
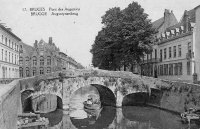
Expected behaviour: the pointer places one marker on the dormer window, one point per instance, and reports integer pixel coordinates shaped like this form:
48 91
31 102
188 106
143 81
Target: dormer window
181 29
168 34
172 32
177 31
192 26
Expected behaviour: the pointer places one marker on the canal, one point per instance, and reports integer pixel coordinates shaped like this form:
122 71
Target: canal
127 117
130 117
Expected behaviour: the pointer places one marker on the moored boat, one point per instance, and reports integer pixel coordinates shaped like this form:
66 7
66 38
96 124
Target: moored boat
92 103
28 120
191 114
93 106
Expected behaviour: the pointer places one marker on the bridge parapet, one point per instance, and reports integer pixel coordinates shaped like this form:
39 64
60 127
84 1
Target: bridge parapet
171 95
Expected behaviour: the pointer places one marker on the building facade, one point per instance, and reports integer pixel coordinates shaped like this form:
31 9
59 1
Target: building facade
42 58
9 53
175 54
68 63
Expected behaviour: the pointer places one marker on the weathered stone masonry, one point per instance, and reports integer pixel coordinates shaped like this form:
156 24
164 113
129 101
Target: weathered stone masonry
174 96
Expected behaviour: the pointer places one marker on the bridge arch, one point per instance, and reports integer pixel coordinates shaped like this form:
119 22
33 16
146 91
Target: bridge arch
107 97
103 93
48 102
133 99
24 99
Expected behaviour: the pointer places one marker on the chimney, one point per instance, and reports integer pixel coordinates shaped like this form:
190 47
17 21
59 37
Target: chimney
35 44
186 21
166 13
50 40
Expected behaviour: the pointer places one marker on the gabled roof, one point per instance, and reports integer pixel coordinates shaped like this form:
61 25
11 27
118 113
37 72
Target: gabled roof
156 24
8 31
191 14
27 49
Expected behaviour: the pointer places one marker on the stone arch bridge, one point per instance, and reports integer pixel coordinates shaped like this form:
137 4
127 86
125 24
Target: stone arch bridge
113 86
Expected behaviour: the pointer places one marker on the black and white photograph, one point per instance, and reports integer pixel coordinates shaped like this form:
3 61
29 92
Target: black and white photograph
99 64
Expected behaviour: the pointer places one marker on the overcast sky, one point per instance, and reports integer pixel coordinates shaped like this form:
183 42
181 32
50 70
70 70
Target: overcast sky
76 34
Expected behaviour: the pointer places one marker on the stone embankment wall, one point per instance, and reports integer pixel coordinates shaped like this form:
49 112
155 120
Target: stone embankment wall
176 97
9 105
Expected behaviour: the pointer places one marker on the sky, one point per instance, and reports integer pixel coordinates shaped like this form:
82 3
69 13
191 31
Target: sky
74 34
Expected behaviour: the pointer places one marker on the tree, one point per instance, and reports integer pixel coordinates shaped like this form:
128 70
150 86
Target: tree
126 36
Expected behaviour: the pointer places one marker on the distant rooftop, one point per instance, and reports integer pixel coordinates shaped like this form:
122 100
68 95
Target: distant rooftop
10 32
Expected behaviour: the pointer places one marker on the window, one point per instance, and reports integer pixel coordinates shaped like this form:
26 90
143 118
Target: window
165 69
158 71
27 72
9 42
176 69
15 59
174 51
12 57
2 38
12 45
161 55
165 53
2 54
15 47
9 73
6 41
9 57
34 60
20 61
6 56
41 60
170 52
41 70
189 50
27 60
21 50
4 72
189 47
161 70
48 60
21 72
179 50
155 53
180 68
48 69
34 71
170 69
188 68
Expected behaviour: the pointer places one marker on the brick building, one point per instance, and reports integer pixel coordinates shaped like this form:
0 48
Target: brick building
42 58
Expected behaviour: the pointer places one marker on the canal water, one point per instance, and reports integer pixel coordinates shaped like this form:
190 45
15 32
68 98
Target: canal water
129 117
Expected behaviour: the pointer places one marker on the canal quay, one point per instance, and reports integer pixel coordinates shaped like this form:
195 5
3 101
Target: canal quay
56 101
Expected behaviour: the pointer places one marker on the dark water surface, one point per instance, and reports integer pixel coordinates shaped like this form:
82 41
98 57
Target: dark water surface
129 117
117 118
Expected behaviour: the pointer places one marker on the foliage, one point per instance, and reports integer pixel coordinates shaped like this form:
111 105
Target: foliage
127 34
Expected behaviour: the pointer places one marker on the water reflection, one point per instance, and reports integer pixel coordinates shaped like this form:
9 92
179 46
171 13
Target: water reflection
98 121
117 118
55 117
133 117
